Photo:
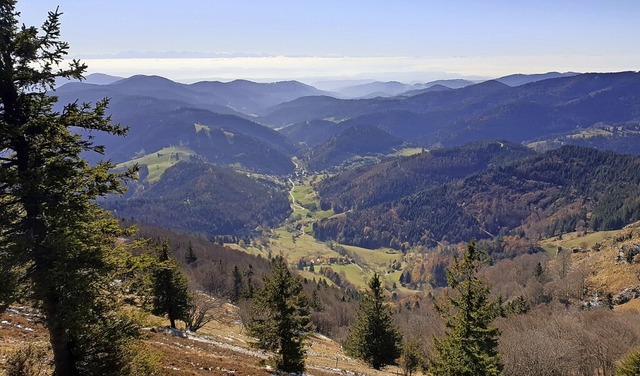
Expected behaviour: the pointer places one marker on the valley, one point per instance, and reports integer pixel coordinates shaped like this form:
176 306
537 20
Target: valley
389 177
319 188
390 186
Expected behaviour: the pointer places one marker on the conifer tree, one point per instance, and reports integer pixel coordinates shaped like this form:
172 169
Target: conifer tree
237 285
170 288
630 364
9 282
411 358
374 338
190 257
316 304
280 318
470 346
248 291
539 271
54 238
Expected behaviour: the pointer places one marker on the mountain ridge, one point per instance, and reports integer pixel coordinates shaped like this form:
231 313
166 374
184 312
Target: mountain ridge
485 111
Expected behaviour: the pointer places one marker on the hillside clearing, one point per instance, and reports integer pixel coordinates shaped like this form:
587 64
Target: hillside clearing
157 162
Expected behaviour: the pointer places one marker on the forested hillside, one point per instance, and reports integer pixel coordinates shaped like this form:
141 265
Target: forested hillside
357 141
199 197
368 186
161 113
564 190
222 139
310 133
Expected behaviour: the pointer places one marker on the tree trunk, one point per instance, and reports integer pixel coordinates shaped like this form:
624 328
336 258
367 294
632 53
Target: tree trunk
173 322
63 358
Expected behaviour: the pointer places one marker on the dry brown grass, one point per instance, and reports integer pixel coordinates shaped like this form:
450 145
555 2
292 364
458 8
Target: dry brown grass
219 348
604 274
18 329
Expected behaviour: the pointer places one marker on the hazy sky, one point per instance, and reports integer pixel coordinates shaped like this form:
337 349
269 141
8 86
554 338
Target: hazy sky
420 40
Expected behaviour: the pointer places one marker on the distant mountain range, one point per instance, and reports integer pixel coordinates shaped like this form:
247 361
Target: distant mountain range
523 79
228 123
486 111
464 184
203 115
93 78
239 97
393 88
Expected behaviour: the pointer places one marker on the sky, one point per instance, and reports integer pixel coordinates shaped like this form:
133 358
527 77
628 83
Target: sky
316 40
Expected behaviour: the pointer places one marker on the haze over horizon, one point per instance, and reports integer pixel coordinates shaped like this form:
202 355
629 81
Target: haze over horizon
337 40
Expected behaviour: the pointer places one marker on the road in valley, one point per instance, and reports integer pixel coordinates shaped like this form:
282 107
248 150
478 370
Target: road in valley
294 204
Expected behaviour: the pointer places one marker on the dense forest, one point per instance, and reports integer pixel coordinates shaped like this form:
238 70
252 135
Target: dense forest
368 186
213 200
356 141
563 190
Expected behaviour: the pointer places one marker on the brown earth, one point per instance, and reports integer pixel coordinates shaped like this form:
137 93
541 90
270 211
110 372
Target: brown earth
219 348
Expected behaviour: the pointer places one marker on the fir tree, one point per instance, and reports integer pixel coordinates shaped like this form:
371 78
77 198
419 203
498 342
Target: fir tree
170 288
539 271
190 257
53 236
9 282
374 338
237 284
280 318
411 358
315 301
248 291
470 346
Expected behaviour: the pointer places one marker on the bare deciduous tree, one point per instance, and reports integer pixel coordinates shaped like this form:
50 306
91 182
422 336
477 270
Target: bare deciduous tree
199 312
548 342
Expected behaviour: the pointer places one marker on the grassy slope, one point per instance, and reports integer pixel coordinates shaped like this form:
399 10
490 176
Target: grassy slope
603 272
157 162
574 239
406 152
368 261
219 348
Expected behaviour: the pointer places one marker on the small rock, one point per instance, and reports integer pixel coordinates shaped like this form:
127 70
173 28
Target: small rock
626 295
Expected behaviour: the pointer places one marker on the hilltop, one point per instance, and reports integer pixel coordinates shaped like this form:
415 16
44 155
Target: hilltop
358 141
